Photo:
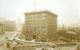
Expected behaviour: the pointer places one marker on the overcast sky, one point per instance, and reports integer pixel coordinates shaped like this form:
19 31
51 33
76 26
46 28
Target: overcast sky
68 11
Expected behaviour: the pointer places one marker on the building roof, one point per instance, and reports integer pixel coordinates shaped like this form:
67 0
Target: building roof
39 12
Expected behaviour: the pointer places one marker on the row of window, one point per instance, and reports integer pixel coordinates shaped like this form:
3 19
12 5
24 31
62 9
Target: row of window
37 27
37 32
36 23
36 20
36 15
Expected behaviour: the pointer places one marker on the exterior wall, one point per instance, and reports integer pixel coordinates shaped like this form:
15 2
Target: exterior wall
10 26
2 27
52 27
2 30
40 25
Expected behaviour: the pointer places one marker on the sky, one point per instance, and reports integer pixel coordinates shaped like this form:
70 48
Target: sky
68 11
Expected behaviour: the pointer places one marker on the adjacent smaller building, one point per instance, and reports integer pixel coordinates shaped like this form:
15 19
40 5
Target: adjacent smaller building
2 27
7 26
10 26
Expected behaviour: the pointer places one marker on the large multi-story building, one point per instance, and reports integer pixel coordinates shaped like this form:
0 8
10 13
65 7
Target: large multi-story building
40 25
